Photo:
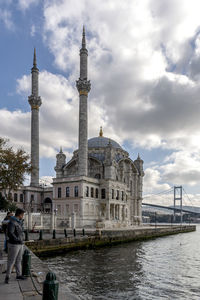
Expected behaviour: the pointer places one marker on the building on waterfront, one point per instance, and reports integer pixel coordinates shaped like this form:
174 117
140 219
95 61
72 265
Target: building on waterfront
101 186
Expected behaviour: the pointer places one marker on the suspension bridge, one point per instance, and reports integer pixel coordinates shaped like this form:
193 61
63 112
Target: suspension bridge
177 196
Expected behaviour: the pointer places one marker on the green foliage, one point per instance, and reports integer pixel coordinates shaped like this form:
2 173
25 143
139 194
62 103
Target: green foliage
7 205
14 165
12 206
3 203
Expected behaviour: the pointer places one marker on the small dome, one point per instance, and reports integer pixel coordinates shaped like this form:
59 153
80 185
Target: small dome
102 142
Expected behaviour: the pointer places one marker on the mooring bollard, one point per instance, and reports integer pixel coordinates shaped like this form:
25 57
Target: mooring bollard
83 231
74 232
54 234
26 235
65 232
26 263
50 287
41 235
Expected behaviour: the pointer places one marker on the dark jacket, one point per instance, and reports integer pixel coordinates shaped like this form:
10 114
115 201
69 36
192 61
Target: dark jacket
5 224
15 231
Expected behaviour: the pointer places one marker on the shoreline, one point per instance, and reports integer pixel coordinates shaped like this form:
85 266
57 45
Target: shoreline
103 238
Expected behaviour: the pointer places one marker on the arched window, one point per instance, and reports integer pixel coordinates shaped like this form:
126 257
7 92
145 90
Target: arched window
97 193
67 191
76 191
103 193
47 205
98 176
87 191
59 192
92 192
21 198
15 197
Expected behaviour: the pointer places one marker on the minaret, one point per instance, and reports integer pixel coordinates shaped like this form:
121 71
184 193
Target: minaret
35 103
83 86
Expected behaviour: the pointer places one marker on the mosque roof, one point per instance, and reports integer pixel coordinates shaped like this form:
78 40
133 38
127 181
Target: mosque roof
102 141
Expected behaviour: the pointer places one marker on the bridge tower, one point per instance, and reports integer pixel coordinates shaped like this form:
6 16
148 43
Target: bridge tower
178 197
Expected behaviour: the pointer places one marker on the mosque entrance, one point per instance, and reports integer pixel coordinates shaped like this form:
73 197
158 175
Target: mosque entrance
47 205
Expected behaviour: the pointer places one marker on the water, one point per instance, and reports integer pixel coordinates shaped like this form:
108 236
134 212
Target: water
164 268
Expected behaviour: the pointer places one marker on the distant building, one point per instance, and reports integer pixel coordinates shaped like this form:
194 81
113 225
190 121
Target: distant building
101 186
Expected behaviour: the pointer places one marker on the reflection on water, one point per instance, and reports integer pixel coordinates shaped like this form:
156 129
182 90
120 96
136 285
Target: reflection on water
164 268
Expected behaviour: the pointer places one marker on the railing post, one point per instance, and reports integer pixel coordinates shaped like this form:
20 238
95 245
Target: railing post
65 232
74 231
83 231
50 287
54 234
26 235
26 263
155 220
41 235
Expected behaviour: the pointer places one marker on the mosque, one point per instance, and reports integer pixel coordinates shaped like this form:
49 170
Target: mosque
101 186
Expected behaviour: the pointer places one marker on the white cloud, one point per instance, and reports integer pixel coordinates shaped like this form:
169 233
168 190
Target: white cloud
33 30
182 167
25 4
153 181
6 18
46 181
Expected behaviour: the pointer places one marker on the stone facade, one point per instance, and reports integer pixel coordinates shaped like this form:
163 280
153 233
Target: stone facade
111 194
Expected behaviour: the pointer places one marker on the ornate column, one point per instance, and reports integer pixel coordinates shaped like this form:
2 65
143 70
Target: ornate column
108 210
83 87
135 198
120 212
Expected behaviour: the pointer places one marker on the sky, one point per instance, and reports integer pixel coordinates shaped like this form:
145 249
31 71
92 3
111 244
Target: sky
144 67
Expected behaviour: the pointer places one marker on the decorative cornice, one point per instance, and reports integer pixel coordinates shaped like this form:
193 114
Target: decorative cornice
82 92
83 51
83 86
34 101
35 107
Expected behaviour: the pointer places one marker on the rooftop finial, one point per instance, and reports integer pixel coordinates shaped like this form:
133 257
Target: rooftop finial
61 149
138 156
34 59
101 132
83 39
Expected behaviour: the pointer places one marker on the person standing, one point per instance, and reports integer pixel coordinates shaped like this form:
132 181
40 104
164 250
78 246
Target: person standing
4 228
15 245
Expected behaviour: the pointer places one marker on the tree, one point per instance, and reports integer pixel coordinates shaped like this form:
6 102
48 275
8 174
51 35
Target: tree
14 166
7 205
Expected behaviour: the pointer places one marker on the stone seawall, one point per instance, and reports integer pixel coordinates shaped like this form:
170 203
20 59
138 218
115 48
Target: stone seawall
103 238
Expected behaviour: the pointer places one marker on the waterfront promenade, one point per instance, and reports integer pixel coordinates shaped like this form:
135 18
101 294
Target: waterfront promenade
24 289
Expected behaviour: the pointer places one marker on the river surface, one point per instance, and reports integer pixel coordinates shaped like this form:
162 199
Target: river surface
163 268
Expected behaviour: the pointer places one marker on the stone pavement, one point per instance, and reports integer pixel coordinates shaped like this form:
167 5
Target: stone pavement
17 289
24 289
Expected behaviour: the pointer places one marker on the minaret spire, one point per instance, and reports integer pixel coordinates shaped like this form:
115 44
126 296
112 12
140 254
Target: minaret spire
34 59
35 103
101 132
83 39
83 87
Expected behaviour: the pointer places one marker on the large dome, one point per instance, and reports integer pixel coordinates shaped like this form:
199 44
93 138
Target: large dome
102 142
